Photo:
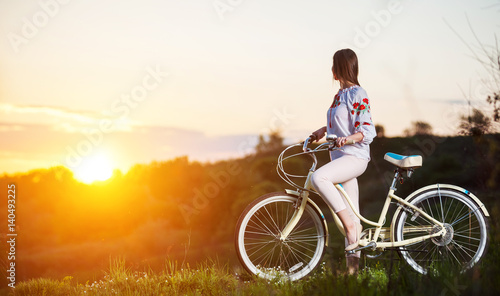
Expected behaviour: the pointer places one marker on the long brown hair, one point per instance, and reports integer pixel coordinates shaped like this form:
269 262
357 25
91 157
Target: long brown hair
345 66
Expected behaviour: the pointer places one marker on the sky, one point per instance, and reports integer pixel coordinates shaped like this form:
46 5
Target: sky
126 82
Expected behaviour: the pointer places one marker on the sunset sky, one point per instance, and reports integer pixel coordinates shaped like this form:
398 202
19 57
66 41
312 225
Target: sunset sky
127 82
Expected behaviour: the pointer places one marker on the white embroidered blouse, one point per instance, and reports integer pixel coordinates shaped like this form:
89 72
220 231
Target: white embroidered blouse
349 114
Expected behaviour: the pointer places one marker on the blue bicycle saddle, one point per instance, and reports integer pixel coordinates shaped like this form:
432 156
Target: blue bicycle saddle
403 161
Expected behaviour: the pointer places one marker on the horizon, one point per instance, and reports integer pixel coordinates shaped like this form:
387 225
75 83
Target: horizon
81 178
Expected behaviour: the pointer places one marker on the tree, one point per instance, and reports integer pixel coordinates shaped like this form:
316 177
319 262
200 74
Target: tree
418 128
380 130
475 125
488 56
273 142
493 100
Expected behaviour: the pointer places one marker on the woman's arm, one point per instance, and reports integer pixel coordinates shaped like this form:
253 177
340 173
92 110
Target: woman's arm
320 133
357 137
362 118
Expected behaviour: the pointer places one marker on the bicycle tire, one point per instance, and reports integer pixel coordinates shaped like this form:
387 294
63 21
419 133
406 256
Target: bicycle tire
257 234
465 242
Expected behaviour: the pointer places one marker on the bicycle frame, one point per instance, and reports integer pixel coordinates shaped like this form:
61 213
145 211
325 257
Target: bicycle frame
369 241
287 234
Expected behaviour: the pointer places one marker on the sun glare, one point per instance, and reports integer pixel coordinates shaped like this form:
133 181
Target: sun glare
94 168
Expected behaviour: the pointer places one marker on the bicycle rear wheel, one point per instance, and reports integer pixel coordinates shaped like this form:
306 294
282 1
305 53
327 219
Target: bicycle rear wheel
460 248
258 243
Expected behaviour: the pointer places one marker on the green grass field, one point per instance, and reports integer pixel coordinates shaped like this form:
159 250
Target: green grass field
377 277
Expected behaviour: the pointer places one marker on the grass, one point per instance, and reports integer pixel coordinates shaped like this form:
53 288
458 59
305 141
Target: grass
213 278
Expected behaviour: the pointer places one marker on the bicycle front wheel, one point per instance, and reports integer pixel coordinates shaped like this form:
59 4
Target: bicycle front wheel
258 243
466 237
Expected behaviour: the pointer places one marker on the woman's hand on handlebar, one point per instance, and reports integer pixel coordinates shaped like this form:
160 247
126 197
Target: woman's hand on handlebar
349 140
318 134
340 141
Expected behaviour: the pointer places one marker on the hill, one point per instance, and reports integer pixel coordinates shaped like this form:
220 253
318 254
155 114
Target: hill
186 211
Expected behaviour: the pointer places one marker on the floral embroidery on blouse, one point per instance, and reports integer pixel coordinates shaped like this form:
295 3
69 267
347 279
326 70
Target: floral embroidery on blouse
350 113
336 101
360 108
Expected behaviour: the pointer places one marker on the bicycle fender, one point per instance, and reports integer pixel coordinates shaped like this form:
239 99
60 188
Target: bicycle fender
441 186
296 193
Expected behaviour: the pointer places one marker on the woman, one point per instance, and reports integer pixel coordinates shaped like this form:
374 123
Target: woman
349 118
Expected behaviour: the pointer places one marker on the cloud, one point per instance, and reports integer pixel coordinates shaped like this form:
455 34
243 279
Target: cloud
448 101
43 144
79 116
69 121
62 136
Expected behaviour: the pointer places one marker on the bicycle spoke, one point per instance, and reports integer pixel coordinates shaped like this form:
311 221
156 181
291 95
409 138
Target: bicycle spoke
277 216
451 206
263 224
272 220
428 253
284 257
465 228
463 248
297 259
303 243
257 243
298 251
304 237
269 221
441 205
424 218
429 209
263 246
448 248
467 237
464 216
270 256
263 257
261 233
257 226
455 219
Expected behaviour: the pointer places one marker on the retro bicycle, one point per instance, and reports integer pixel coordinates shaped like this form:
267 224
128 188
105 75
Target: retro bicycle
286 233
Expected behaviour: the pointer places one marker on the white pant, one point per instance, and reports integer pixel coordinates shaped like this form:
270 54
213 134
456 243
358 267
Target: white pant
343 170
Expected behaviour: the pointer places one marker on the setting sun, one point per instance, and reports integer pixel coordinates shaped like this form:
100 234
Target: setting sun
93 168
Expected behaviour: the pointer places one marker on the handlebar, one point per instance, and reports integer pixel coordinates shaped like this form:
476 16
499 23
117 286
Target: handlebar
329 138
287 177
306 142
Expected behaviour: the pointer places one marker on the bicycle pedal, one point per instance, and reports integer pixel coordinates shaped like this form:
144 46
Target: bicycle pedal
372 245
